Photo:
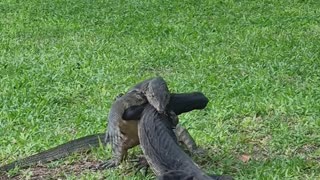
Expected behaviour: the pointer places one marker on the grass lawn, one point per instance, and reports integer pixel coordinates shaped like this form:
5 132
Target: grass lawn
63 62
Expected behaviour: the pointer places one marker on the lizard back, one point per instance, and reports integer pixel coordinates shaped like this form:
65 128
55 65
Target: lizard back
160 147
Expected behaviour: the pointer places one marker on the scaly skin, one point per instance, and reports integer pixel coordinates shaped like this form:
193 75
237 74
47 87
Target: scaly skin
160 147
63 150
122 134
179 102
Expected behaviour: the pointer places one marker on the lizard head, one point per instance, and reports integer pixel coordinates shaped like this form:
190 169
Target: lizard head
157 94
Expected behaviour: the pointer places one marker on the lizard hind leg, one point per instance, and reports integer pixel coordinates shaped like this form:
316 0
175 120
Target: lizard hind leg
118 156
118 152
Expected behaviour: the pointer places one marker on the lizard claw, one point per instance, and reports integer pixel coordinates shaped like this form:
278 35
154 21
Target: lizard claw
141 164
198 152
107 165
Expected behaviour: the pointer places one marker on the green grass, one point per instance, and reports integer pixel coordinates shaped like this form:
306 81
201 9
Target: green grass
63 62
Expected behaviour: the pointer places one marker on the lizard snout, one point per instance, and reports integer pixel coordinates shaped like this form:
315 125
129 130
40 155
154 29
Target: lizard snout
161 110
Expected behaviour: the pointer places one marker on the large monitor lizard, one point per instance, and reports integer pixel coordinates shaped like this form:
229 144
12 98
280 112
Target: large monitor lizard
123 134
179 103
161 150
118 132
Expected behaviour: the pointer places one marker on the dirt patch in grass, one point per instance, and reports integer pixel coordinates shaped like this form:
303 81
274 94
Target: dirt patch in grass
46 172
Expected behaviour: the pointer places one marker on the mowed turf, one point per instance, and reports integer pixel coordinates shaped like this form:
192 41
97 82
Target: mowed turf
63 62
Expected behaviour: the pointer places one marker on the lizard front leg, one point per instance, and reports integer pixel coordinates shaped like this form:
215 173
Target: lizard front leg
186 139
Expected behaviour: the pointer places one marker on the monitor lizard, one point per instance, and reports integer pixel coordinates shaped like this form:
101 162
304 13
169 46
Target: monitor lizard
123 134
161 150
179 103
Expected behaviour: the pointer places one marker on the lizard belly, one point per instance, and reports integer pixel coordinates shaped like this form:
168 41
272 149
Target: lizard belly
129 130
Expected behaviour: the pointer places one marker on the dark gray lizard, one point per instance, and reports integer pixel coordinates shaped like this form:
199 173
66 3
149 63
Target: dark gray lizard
136 96
123 134
161 150
185 175
180 103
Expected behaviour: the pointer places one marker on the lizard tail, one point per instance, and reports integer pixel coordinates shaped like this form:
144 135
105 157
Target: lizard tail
63 150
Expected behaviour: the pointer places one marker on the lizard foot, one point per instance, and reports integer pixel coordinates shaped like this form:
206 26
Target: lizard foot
199 152
142 163
107 164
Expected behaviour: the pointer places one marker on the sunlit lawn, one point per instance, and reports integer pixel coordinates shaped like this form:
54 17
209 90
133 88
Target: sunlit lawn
63 62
